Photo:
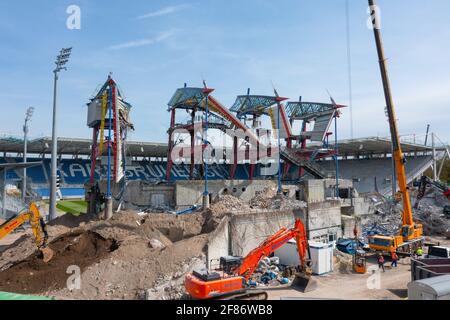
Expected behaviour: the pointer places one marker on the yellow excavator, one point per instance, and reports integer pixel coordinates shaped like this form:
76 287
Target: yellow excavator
38 226
411 234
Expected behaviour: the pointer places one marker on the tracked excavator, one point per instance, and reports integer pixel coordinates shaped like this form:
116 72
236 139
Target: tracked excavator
236 272
38 226
411 233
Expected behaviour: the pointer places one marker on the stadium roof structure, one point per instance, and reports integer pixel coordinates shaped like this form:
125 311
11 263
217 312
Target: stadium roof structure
19 165
253 105
79 147
187 98
377 145
306 110
82 147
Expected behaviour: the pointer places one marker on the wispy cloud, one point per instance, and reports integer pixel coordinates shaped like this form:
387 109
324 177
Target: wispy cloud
164 11
143 42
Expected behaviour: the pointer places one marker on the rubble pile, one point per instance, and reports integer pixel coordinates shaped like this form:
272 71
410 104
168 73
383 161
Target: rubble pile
343 262
118 259
268 199
228 203
429 211
170 286
386 219
271 274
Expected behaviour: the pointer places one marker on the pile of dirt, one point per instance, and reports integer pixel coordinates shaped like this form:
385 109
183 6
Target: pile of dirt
34 276
133 269
119 259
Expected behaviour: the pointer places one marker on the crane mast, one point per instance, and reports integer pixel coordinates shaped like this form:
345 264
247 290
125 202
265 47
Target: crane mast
397 149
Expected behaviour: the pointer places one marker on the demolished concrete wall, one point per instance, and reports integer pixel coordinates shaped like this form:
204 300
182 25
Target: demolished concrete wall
324 218
248 231
188 193
142 194
218 244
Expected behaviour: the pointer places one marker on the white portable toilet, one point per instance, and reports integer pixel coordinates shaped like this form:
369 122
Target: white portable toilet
321 256
435 288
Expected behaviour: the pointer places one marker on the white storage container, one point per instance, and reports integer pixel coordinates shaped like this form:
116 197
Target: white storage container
321 256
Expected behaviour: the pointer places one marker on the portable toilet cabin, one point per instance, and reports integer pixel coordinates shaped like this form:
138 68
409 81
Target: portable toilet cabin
434 288
321 256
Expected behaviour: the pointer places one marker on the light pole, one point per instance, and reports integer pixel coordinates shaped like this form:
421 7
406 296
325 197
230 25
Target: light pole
28 116
60 62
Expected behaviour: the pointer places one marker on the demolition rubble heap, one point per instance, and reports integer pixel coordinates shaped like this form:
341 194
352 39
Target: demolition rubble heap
131 256
387 214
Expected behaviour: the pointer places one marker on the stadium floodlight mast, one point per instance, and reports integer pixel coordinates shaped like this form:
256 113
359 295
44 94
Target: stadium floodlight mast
28 116
60 62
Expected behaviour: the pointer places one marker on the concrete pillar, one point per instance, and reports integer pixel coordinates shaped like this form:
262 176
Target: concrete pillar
433 142
206 200
108 209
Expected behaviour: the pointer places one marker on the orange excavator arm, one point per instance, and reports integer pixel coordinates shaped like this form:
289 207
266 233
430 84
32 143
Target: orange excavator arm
251 261
38 226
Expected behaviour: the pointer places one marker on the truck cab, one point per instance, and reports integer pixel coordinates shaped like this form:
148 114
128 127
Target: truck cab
437 252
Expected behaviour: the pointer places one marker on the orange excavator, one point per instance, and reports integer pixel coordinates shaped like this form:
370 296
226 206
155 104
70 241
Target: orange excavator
233 283
32 215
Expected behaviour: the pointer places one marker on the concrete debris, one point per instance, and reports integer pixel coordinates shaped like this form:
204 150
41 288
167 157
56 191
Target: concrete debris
156 244
387 218
171 286
268 199
270 273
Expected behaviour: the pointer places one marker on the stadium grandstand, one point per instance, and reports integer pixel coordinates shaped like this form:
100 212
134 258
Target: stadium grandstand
366 161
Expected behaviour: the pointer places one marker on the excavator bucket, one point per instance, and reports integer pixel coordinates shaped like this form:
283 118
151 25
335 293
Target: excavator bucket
304 282
47 254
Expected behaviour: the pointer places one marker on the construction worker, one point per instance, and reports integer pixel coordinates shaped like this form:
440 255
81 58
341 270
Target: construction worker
419 252
394 258
380 260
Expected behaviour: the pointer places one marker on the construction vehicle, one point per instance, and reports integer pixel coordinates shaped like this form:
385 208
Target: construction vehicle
38 226
426 183
234 282
411 234
360 261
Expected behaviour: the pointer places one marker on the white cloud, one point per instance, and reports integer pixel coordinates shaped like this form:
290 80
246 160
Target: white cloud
143 42
164 11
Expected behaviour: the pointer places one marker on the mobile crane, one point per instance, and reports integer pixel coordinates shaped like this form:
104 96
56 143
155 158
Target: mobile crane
411 234
237 271
38 226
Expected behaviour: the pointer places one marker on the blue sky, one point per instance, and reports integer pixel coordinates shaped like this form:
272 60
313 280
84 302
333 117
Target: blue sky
153 47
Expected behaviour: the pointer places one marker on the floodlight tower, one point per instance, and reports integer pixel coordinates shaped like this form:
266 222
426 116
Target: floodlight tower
61 61
28 116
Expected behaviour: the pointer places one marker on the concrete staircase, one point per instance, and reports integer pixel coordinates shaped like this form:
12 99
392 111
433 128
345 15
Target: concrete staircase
311 167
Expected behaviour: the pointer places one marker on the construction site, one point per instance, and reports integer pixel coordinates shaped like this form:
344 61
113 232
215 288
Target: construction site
259 200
